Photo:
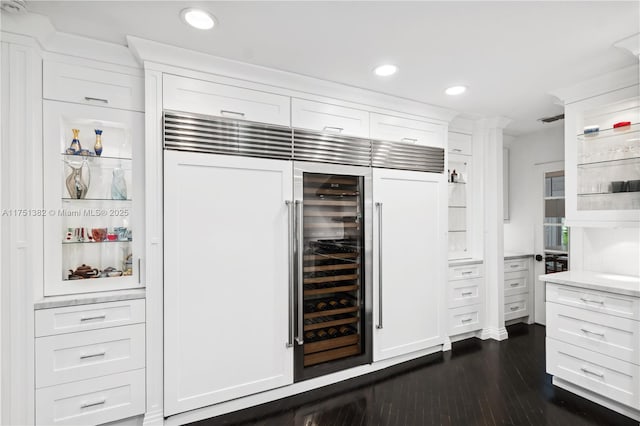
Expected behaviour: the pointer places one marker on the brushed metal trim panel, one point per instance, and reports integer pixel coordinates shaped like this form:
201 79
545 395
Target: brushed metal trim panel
404 156
326 147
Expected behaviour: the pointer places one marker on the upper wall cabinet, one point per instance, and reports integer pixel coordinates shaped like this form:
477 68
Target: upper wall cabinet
602 151
204 97
459 143
325 117
92 86
396 129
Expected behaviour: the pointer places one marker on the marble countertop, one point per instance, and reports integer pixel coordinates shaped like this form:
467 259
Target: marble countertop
88 298
509 255
612 283
461 262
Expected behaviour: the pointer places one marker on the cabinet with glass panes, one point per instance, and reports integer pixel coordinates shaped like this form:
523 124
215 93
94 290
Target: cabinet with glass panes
459 174
92 181
556 233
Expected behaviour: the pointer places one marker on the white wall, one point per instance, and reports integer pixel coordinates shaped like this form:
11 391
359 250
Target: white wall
609 250
525 152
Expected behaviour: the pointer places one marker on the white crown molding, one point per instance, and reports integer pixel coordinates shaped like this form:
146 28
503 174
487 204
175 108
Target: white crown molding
625 77
631 43
39 28
493 122
148 51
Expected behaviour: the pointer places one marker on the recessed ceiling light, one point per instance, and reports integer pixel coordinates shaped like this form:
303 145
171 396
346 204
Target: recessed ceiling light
385 70
198 18
455 90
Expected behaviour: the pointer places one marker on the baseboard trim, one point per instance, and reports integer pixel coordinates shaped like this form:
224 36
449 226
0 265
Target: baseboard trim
153 418
498 334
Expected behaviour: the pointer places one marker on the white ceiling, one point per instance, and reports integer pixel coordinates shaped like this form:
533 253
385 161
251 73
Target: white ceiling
510 54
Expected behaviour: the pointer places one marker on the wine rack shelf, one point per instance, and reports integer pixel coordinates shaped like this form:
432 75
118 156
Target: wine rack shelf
331 312
331 323
330 290
331 278
324 345
330 355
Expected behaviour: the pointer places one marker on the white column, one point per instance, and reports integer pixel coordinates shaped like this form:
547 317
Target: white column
489 134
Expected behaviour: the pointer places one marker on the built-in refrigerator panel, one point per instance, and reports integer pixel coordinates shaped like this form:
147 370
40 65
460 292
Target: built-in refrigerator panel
333 268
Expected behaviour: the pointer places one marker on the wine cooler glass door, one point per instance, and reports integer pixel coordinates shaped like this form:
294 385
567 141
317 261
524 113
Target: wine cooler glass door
331 270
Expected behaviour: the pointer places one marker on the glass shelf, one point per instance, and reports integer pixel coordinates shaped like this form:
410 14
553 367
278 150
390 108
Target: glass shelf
612 162
457 183
457 207
95 199
95 242
457 230
94 157
610 132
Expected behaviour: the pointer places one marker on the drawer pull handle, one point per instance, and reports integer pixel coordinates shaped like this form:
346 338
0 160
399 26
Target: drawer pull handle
89 99
467 293
93 404
456 150
514 284
226 111
584 330
515 308
466 273
97 317
467 320
514 266
333 129
103 353
586 370
599 302
414 140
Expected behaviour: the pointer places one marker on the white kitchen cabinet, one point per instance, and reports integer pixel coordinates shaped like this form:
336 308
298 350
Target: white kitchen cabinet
518 292
326 117
465 297
396 129
459 143
94 86
226 278
221 100
409 261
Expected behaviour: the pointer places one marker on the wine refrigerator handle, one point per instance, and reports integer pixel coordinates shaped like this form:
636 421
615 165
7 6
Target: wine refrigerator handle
300 269
291 242
379 208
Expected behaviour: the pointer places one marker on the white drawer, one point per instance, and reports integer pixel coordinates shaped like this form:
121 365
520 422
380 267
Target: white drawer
204 97
459 143
325 117
465 319
465 292
516 283
609 335
88 317
516 265
93 401
516 306
396 129
612 378
92 86
593 300
464 272
77 356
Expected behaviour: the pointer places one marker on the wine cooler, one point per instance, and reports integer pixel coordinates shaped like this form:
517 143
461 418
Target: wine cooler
332 268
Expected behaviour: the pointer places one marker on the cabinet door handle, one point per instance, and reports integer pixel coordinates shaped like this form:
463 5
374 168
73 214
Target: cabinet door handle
226 111
515 308
97 354
379 207
514 284
456 150
599 302
300 252
291 241
584 330
96 317
467 293
333 129
414 140
594 373
93 404
466 273
514 266
90 99
467 320
139 272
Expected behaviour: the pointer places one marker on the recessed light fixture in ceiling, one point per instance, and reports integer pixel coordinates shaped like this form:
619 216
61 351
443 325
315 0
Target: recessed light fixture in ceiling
455 90
198 18
385 70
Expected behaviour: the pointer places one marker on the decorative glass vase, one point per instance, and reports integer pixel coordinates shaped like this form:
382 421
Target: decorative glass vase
77 184
118 185
75 146
98 146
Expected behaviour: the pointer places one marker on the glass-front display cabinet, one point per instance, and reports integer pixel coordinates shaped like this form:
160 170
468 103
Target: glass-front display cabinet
603 160
93 202
459 221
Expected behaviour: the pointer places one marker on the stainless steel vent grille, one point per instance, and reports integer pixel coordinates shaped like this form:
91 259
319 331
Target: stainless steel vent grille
329 148
217 135
404 156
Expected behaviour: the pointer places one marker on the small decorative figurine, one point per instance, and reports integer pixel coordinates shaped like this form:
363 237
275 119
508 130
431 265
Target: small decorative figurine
118 185
75 147
98 146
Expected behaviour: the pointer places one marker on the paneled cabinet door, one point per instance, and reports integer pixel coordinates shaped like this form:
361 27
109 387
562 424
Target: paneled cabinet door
226 278
409 261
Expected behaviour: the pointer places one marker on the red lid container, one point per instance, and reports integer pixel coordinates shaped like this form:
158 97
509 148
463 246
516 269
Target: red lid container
621 124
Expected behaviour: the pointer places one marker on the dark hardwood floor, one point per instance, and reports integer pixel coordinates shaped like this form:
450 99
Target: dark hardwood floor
477 383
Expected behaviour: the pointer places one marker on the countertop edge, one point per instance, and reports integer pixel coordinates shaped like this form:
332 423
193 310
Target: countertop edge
88 298
595 281
462 262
